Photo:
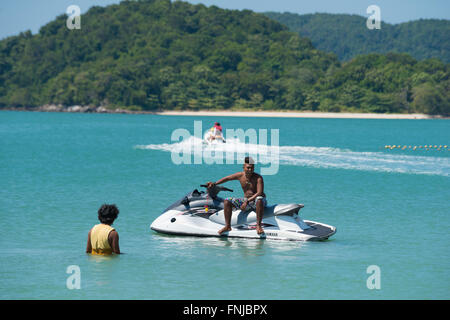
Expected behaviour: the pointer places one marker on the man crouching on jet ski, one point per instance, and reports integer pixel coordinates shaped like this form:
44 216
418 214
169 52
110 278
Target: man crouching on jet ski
253 186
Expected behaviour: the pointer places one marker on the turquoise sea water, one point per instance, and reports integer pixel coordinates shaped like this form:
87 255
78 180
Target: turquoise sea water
390 207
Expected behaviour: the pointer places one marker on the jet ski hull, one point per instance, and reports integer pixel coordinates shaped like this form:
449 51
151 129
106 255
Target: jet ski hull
202 214
275 227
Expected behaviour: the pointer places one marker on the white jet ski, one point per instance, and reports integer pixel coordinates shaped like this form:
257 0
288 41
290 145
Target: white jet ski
210 139
200 213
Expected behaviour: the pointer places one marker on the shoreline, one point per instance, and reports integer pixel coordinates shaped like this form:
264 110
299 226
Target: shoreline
229 113
293 114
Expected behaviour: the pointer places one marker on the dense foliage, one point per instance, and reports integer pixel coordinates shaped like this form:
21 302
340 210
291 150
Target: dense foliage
157 54
348 36
388 83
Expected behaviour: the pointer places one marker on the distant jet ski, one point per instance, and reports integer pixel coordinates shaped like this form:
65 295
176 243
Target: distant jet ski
202 214
214 135
210 138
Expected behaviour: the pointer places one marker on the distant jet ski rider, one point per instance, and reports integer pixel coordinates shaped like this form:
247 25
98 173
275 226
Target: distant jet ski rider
216 132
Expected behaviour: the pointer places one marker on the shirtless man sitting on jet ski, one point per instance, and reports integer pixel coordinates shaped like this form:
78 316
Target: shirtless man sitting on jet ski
253 186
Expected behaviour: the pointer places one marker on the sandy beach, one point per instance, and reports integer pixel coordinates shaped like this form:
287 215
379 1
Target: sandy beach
290 114
229 113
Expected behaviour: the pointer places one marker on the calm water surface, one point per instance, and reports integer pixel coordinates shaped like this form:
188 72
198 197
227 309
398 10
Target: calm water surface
390 207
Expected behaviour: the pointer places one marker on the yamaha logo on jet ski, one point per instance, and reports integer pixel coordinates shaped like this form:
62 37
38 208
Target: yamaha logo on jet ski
271 234
200 213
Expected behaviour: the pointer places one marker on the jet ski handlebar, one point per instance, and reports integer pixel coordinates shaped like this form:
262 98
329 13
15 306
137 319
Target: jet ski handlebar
216 187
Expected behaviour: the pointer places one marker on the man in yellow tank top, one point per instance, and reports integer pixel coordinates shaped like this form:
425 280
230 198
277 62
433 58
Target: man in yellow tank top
102 238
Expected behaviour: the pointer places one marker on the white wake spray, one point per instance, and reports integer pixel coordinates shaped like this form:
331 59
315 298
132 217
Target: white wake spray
308 156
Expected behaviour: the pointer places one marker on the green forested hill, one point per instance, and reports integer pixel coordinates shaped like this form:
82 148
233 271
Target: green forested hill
151 54
387 83
347 35
157 54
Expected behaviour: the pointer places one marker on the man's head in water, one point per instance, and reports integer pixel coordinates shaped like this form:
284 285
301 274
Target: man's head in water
108 213
249 166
